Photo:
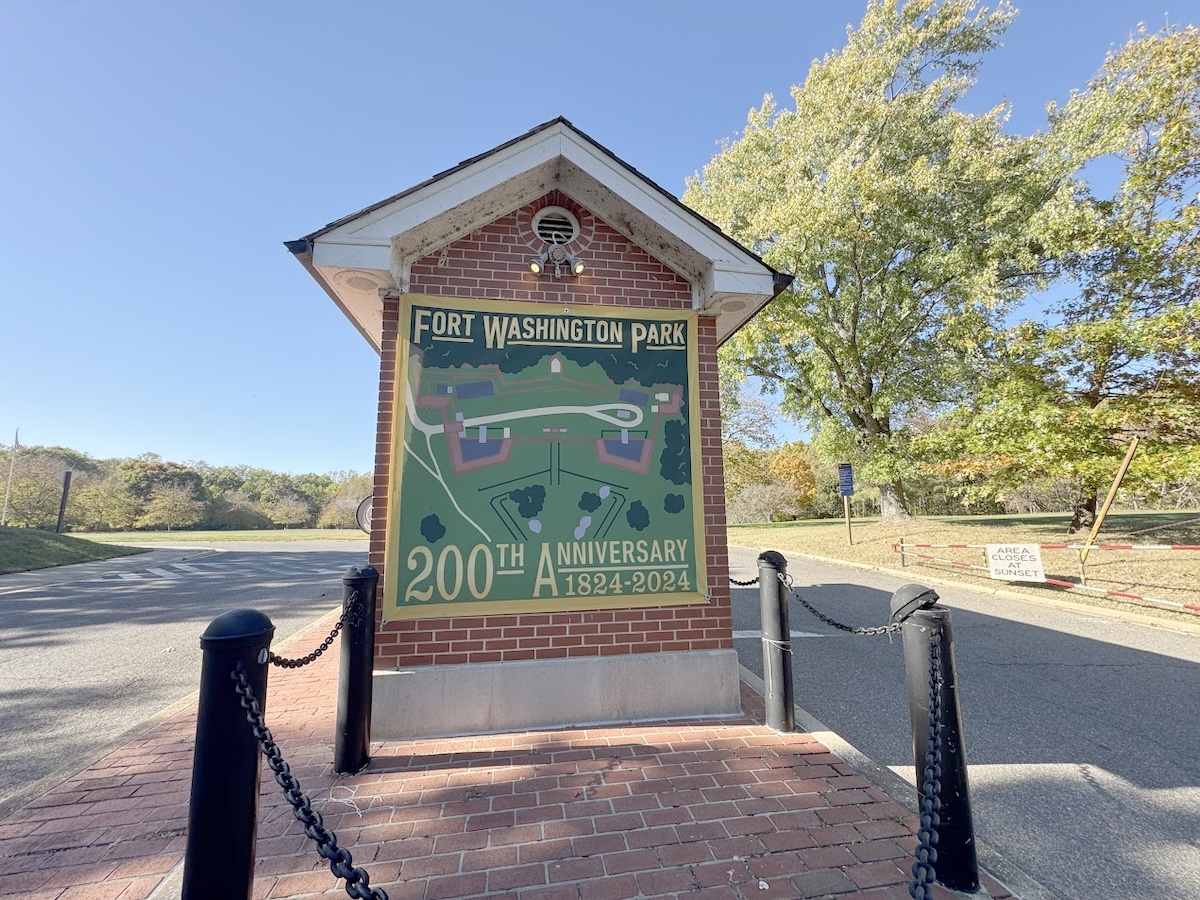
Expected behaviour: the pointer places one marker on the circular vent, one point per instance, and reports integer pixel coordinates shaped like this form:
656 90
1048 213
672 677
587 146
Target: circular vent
555 225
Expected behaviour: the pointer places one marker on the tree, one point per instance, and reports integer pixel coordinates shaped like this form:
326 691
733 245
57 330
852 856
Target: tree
287 510
903 221
746 418
744 466
37 483
234 510
1119 355
104 504
747 430
172 506
146 473
1127 344
341 511
36 489
762 503
790 468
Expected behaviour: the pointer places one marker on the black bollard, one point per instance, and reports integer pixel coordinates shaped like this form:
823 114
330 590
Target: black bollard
777 642
923 623
352 739
223 809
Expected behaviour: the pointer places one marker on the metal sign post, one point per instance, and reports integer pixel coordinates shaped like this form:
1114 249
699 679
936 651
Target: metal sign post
846 489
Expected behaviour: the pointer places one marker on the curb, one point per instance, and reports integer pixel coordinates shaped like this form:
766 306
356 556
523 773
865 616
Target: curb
48 782
1007 594
1014 879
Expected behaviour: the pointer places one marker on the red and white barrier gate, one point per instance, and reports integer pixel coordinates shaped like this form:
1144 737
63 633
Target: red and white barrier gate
906 550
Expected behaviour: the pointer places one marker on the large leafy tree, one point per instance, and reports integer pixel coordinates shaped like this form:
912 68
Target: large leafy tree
37 482
902 219
172 505
104 504
1119 354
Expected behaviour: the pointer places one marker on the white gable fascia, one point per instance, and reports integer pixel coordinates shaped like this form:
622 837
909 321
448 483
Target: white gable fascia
438 197
653 204
376 230
723 281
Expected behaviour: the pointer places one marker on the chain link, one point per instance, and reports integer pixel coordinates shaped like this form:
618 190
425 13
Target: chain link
924 868
341 863
893 628
752 581
350 616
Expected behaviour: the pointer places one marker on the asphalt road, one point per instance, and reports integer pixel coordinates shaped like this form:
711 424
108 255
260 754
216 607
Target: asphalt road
1081 731
89 652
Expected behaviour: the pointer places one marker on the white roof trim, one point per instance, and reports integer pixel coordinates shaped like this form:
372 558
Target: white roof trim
383 241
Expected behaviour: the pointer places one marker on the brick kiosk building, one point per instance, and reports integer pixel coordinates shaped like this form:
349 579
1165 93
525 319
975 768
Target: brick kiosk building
548 517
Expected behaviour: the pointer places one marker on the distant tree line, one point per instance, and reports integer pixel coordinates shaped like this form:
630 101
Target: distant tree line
767 480
150 493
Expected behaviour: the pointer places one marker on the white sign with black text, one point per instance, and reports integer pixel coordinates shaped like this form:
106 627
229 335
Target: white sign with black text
1015 562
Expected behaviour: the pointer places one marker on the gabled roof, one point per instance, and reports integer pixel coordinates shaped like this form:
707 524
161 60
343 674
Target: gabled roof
360 257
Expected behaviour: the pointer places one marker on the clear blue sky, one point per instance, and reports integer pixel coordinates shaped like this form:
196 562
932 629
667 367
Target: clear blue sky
156 155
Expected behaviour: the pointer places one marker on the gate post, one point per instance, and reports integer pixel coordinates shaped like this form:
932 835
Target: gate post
924 624
778 688
352 735
223 809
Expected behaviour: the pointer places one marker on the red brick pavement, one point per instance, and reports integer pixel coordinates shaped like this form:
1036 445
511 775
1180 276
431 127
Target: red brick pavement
702 809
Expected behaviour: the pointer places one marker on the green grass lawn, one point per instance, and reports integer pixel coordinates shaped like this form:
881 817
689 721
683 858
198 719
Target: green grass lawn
25 549
283 534
1161 574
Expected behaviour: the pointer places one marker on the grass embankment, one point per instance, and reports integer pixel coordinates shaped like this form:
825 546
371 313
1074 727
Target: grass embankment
182 537
25 549
1161 574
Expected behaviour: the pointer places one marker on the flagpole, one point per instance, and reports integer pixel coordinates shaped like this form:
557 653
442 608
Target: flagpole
12 459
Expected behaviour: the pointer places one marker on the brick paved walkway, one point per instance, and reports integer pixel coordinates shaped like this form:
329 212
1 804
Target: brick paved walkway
702 809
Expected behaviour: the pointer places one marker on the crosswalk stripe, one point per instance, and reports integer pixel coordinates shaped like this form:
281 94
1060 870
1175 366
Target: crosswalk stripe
163 573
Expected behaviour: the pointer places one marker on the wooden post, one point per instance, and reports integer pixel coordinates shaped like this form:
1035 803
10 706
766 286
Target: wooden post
1112 493
849 533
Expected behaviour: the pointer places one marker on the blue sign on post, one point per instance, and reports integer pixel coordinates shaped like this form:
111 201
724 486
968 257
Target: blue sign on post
845 480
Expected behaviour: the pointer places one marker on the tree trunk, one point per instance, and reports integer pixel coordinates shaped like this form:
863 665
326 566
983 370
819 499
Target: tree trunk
891 502
1083 515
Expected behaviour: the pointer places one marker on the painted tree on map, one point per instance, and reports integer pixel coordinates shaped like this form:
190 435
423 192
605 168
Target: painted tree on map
676 461
432 529
638 516
529 500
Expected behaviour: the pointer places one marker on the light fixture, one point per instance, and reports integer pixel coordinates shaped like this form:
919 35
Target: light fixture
558 256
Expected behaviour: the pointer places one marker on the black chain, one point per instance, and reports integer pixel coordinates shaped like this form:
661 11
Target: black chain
743 583
924 868
341 863
786 580
349 616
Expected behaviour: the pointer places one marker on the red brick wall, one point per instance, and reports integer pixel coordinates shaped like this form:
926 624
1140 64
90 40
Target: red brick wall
493 263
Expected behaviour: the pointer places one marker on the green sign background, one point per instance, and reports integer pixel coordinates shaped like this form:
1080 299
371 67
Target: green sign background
543 459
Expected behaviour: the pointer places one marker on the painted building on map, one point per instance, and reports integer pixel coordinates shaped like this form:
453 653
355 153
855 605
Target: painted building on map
548 517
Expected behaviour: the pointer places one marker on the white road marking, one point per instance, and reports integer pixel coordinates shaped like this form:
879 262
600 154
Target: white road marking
795 634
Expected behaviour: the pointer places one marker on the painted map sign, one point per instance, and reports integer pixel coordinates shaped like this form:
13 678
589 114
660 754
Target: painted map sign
1015 562
543 459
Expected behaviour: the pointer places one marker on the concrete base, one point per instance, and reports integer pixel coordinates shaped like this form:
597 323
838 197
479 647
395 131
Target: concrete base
437 701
